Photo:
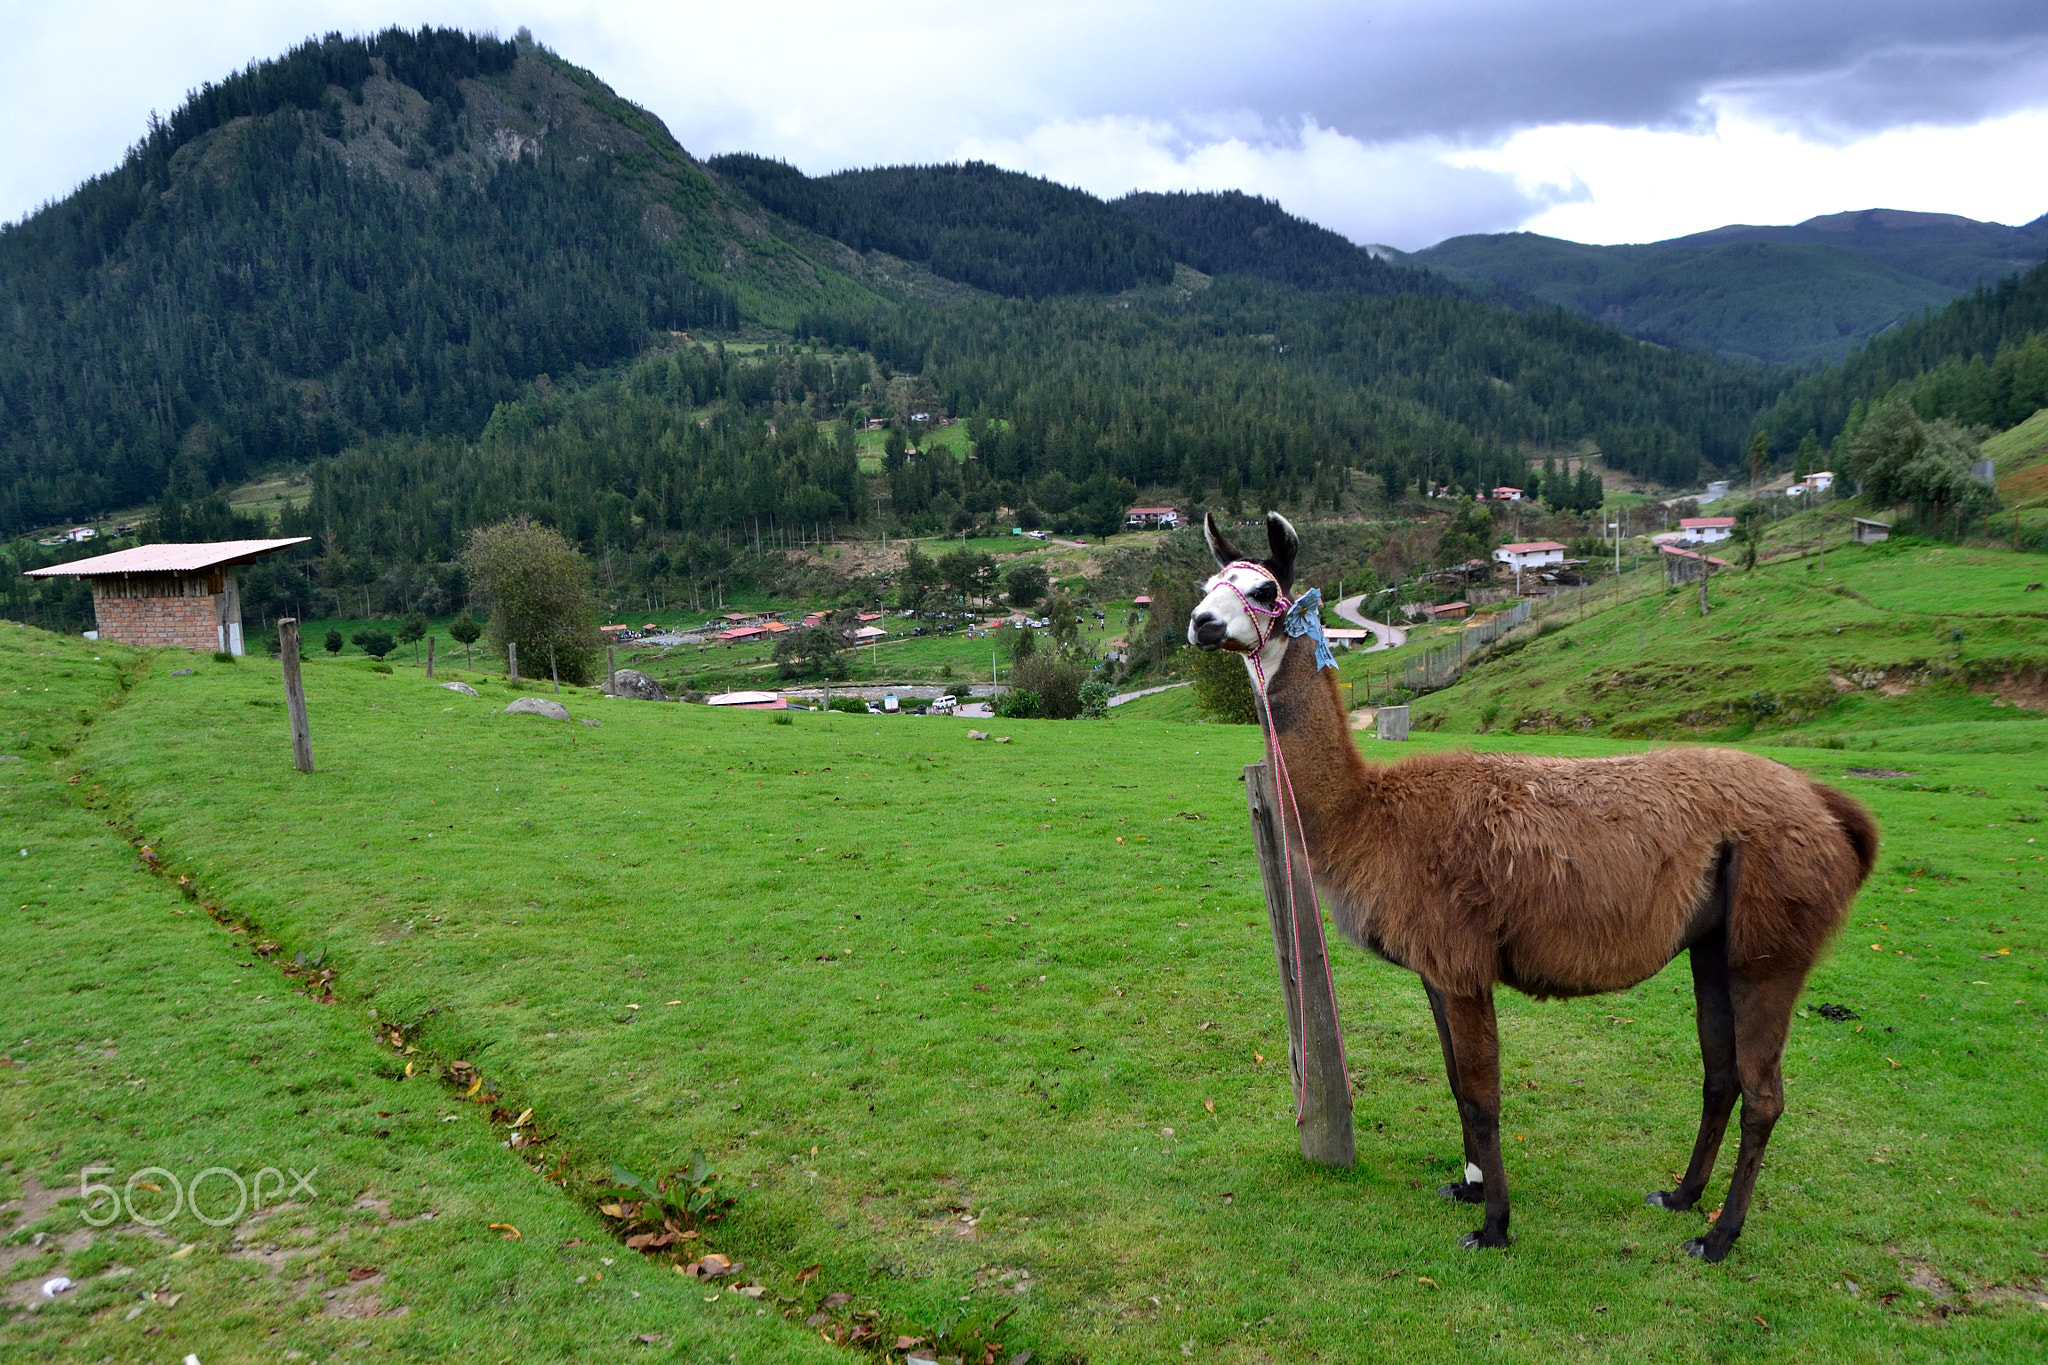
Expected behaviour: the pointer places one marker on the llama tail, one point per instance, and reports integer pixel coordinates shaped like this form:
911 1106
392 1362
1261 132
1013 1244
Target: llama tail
1857 827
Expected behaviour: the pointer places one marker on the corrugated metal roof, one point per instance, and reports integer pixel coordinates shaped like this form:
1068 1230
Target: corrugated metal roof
168 558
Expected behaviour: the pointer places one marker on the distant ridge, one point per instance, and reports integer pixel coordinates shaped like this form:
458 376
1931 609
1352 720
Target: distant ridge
1795 294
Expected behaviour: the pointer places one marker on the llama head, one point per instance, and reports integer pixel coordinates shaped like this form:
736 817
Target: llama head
1221 620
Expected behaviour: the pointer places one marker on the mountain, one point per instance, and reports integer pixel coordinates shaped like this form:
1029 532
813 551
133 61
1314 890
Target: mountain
1796 295
1000 231
447 279
1983 360
368 235
1233 232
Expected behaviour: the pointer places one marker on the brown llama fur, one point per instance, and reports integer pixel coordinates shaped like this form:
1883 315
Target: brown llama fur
1564 877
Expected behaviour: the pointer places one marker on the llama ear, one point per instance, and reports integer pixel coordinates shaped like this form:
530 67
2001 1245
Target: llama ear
1285 545
1219 544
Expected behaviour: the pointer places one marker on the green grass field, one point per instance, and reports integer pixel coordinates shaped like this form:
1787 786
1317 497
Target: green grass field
976 1029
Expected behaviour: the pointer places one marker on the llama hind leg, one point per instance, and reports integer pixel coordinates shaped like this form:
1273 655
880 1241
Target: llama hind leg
1469 1188
1716 1020
1475 1050
1763 1016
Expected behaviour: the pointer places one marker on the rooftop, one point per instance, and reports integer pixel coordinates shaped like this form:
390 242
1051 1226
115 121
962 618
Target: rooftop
1704 523
1530 547
168 558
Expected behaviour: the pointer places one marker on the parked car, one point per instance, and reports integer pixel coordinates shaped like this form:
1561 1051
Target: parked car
945 703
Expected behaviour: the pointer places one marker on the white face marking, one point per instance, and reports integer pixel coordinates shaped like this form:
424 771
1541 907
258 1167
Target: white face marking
1473 1175
1220 603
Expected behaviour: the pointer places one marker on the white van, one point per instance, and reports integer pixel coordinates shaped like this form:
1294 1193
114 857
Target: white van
945 703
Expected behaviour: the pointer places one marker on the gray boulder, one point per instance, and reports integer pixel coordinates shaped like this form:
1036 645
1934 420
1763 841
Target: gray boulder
464 688
633 684
538 706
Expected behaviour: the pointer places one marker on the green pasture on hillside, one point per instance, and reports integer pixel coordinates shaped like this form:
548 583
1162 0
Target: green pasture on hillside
988 1033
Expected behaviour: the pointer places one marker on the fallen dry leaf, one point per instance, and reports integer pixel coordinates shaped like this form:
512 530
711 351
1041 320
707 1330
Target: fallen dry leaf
361 1272
506 1230
752 1291
525 1115
1259 1057
474 1086
807 1274
908 1343
1759 1320
1209 1105
835 1300
612 1210
1424 1279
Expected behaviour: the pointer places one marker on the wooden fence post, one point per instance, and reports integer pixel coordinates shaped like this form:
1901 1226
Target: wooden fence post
611 665
512 660
430 656
553 672
295 693
1318 1070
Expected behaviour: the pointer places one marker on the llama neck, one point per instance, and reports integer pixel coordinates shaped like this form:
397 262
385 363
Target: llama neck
1329 778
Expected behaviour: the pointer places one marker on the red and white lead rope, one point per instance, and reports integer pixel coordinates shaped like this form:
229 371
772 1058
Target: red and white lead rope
1264 620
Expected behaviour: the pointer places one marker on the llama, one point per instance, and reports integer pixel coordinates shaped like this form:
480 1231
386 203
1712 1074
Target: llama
1557 877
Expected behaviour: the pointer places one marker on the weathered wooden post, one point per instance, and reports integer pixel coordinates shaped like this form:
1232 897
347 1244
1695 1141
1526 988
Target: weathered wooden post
552 672
512 660
611 669
1316 1070
430 656
295 693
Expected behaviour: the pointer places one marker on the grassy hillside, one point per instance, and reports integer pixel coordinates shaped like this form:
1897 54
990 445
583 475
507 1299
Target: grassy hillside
141 1032
984 1033
1906 645
2020 456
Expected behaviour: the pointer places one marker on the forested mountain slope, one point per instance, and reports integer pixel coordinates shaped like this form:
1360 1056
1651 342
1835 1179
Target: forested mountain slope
1799 294
1000 231
1983 359
368 235
1237 233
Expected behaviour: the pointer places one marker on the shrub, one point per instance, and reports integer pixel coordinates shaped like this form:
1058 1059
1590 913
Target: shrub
222 656
1018 704
1223 690
1054 679
373 642
784 718
1094 697
334 641
852 706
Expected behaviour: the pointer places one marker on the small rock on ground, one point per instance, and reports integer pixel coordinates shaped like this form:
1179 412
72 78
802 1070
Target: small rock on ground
538 706
464 688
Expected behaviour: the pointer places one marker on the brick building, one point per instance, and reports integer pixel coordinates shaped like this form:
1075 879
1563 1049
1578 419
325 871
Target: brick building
182 596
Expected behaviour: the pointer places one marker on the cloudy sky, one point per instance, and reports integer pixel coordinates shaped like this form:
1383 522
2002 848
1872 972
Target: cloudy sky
1397 121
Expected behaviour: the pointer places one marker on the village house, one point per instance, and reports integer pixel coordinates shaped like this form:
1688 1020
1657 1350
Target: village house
1506 494
1819 482
1151 518
1447 611
1530 554
183 596
1707 530
1864 531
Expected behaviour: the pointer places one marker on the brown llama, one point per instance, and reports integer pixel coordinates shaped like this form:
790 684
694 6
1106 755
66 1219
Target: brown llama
1558 877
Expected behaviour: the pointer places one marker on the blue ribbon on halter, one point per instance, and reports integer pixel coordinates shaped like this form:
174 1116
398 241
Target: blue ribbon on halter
1305 617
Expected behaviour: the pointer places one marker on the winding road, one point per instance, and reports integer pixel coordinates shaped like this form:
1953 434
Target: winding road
1387 636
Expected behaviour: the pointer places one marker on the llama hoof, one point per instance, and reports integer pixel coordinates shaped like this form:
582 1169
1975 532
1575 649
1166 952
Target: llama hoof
1708 1248
1485 1237
1668 1199
1464 1192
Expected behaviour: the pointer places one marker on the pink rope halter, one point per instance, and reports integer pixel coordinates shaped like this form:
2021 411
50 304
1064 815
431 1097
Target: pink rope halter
1264 621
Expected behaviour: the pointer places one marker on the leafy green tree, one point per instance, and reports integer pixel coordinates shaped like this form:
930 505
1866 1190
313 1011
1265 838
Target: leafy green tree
1471 534
1899 458
333 641
1223 690
541 595
1063 620
969 573
1748 533
465 629
1026 585
917 580
413 630
374 642
812 652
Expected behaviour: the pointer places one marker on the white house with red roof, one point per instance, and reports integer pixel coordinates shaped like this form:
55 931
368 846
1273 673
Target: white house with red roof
1145 518
1506 494
1530 554
1707 530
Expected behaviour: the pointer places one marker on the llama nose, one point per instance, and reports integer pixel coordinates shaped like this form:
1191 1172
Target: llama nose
1207 631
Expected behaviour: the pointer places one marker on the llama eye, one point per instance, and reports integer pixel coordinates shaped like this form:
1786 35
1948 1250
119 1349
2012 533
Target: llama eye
1266 591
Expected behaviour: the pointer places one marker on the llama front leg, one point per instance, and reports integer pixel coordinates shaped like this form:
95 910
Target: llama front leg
1763 1016
1469 1189
1475 1051
1715 1016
